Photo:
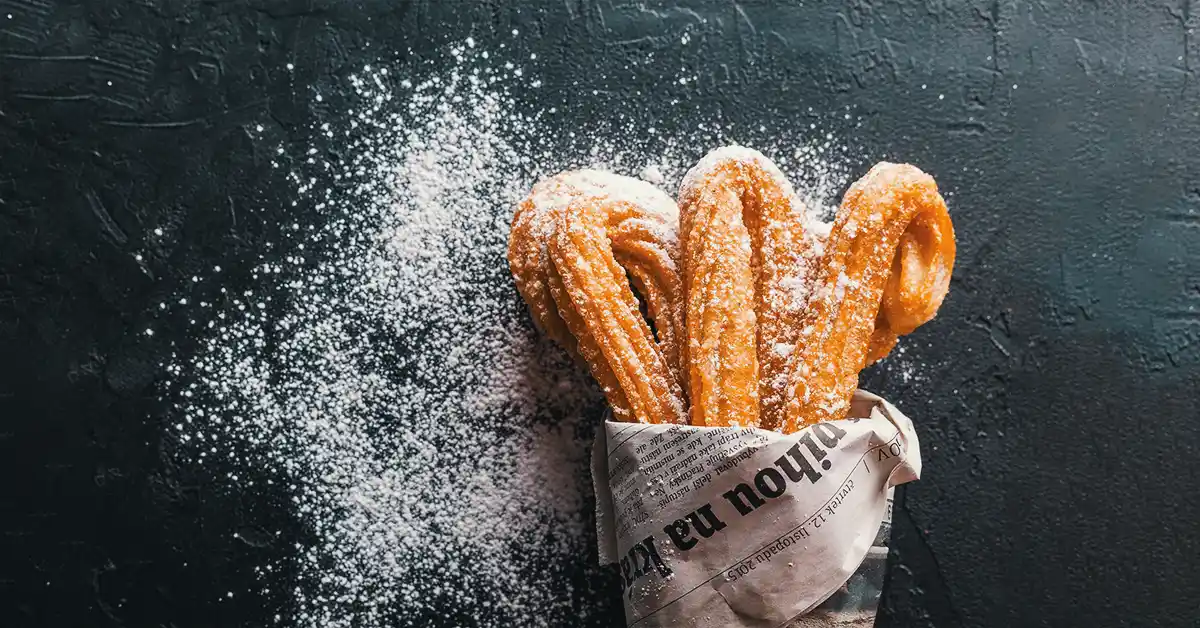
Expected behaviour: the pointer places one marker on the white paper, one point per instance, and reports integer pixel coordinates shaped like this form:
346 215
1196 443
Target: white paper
741 526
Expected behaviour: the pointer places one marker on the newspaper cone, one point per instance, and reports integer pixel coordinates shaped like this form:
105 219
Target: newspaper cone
747 527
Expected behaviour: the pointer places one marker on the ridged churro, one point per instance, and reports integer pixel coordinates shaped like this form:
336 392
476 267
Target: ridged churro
885 270
577 243
759 320
746 264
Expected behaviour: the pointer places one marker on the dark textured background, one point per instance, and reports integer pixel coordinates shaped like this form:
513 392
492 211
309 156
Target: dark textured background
1057 415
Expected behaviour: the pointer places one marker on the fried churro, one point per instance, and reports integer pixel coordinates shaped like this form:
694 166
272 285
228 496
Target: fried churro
577 243
745 267
758 319
885 270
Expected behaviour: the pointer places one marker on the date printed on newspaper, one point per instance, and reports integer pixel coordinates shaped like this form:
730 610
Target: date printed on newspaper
742 526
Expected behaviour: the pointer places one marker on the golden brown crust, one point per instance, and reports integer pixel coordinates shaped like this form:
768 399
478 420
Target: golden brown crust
888 258
582 251
745 266
756 320
576 244
530 264
883 340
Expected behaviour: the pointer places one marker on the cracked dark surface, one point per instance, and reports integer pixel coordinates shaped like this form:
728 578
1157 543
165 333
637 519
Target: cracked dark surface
1058 418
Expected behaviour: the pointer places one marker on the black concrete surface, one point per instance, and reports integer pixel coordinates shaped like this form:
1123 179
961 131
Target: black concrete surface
1060 380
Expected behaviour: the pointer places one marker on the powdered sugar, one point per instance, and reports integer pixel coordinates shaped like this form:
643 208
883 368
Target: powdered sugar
841 285
385 371
812 207
400 391
652 174
600 184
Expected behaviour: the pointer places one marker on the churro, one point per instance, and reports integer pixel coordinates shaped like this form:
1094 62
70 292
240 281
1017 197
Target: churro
746 268
577 243
758 319
885 270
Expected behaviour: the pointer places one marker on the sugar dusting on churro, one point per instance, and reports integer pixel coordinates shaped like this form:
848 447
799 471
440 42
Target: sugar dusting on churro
383 373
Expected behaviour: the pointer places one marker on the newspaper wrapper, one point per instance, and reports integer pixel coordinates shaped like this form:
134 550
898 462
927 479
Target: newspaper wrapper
746 527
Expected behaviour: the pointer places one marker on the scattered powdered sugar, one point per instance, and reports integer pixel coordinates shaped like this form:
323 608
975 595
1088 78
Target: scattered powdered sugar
813 197
839 287
600 184
432 442
652 174
384 370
